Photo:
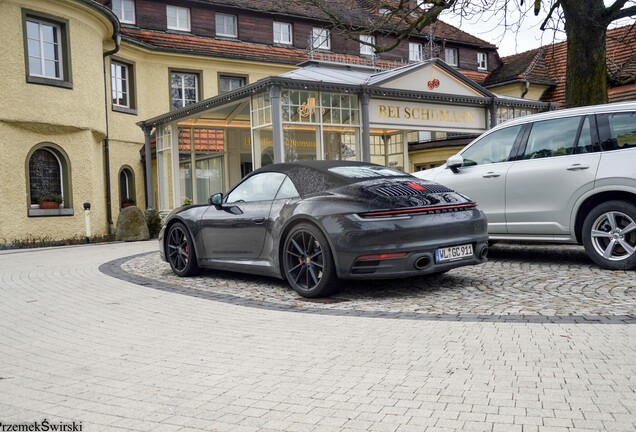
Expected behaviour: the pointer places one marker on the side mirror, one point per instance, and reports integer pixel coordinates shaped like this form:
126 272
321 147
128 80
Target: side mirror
455 162
216 200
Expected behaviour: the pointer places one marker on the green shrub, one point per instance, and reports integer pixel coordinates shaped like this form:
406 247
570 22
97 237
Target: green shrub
153 220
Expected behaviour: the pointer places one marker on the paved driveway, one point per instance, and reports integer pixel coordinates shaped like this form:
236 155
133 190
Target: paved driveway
78 345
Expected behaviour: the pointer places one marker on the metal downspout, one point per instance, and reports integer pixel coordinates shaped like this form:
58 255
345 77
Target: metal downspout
109 207
526 89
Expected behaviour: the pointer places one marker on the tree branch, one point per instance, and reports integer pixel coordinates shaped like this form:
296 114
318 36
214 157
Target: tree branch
624 13
400 20
613 9
552 9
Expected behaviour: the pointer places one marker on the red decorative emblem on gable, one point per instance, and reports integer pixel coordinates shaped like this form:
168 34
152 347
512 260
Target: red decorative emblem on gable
433 84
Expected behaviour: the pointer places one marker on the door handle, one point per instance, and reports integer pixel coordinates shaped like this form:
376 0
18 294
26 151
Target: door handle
491 174
258 221
577 167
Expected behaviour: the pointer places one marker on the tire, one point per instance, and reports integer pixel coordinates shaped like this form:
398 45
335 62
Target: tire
180 251
609 235
308 262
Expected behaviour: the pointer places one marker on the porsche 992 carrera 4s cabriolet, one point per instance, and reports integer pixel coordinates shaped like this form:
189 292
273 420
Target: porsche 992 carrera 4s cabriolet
313 223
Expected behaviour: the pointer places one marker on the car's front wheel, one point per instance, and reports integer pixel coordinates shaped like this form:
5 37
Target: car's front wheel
308 263
609 235
180 251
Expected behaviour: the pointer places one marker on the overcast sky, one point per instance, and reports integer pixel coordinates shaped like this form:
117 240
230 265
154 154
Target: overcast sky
528 37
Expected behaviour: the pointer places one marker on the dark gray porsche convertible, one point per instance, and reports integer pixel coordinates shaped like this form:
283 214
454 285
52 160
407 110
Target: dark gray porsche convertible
313 223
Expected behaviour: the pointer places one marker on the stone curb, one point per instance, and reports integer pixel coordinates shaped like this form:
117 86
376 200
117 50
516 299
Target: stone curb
114 269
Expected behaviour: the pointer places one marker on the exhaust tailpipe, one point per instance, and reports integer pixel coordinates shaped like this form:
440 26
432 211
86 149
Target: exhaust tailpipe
422 262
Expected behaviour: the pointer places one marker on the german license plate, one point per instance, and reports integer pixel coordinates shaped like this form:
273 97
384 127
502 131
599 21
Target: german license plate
453 253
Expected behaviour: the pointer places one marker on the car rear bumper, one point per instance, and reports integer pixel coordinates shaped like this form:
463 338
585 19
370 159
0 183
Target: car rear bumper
420 262
356 242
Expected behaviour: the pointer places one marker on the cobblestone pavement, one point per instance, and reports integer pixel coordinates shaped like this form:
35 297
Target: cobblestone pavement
79 345
540 283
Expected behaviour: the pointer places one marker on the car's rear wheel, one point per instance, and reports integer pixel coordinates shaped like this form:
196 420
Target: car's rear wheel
609 235
308 262
180 251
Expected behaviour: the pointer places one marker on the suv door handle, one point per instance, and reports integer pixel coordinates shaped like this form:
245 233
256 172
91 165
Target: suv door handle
577 167
491 174
258 221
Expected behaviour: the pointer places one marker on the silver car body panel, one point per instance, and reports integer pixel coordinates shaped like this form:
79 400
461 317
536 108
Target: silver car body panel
539 199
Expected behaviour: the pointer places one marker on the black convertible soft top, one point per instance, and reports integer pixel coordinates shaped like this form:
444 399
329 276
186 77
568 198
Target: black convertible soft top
313 177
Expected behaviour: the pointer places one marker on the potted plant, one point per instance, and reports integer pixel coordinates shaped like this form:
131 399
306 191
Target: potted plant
50 201
127 202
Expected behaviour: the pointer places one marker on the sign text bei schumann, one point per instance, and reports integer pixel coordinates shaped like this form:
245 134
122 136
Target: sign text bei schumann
421 116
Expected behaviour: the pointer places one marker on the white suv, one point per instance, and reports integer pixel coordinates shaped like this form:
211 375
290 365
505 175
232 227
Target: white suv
563 176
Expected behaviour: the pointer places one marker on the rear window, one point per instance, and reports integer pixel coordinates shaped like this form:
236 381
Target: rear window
622 130
366 171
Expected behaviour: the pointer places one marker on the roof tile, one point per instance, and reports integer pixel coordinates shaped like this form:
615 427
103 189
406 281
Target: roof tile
547 65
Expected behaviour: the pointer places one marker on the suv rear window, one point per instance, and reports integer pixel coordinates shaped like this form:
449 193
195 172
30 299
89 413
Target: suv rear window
622 130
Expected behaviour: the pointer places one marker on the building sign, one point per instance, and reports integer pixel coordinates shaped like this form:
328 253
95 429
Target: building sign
420 116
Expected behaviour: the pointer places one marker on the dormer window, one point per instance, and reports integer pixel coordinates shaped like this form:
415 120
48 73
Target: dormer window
482 61
226 25
415 52
365 48
450 55
320 38
178 18
125 10
282 33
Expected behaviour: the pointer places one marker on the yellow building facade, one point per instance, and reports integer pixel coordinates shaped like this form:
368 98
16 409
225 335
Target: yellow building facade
60 133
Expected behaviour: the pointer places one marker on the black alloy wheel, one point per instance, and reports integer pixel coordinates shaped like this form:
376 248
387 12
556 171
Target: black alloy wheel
609 235
308 262
180 251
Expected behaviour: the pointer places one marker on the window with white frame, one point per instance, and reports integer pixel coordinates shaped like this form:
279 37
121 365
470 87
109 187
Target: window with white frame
125 10
365 48
44 47
320 38
415 52
226 25
121 84
482 61
178 18
282 33
450 54
184 89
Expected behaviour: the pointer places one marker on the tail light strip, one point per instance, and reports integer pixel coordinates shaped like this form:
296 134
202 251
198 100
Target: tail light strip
419 210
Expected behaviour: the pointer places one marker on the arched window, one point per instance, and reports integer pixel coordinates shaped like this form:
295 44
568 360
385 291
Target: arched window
126 186
45 175
48 178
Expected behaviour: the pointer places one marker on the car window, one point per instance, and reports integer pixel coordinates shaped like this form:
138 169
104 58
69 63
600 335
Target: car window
287 190
260 187
551 138
622 131
367 171
492 148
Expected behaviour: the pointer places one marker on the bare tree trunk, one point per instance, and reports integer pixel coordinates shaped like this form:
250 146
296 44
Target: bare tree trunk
586 82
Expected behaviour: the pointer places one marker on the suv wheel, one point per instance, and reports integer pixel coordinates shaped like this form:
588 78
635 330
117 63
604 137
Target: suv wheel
609 235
